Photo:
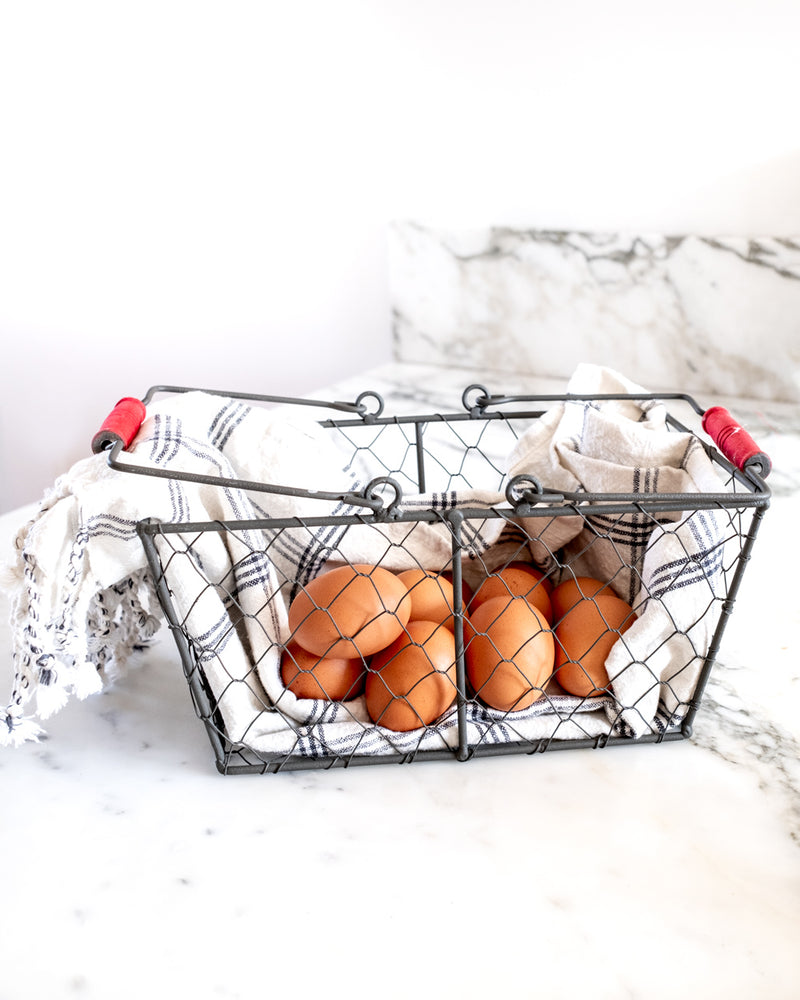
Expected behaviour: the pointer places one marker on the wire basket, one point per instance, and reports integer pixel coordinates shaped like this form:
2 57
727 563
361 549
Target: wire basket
416 619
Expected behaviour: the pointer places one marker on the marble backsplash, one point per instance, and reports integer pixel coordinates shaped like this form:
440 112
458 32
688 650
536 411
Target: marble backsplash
710 315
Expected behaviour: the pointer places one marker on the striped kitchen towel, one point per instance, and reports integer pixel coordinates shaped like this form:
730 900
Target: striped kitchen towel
82 595
83 600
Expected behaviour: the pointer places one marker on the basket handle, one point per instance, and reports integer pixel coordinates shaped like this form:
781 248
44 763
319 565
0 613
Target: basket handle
122 424
734 441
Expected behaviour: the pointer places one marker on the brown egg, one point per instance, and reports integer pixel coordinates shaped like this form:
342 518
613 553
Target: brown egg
509 653
413 681
431 596
569 592
544 579
350 611
329 677
518 579
584 638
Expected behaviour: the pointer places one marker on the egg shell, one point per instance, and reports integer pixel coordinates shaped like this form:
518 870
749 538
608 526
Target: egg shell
569 592
350 611
544 579
431 596
518 579
329 678
509 653
584 638
413 681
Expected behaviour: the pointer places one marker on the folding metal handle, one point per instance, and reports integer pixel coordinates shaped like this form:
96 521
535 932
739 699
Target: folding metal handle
122 424
734 441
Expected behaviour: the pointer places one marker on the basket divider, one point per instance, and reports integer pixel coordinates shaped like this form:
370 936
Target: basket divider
420 456
456 518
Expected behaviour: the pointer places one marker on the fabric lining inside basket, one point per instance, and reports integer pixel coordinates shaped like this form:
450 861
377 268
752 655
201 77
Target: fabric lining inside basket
230 587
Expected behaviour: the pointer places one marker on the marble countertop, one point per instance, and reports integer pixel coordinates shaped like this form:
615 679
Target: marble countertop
131 867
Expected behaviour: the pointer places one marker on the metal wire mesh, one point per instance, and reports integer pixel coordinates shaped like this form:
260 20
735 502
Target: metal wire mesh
229 590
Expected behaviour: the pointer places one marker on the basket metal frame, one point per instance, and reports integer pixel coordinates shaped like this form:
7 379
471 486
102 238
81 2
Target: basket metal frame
526 498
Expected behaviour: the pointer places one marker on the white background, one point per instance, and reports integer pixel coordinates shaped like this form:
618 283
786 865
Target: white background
198 192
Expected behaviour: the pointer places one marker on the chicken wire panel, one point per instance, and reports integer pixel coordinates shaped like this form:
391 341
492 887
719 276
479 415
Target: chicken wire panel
228 592
427 455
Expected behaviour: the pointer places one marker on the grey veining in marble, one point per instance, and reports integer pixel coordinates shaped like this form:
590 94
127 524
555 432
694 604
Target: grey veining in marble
702 314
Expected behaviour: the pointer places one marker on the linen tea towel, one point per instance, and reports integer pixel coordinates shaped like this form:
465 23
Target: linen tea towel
82 598
87 628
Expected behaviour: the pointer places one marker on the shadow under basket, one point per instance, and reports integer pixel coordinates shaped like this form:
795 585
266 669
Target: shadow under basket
245 599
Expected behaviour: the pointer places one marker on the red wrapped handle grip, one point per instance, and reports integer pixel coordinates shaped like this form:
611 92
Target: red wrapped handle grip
122 424
734 441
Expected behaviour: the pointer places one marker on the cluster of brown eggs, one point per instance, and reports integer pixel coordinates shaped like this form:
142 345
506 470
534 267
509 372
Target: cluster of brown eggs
400 623
363 629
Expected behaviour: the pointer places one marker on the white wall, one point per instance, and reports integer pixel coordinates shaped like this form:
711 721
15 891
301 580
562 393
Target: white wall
198 192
